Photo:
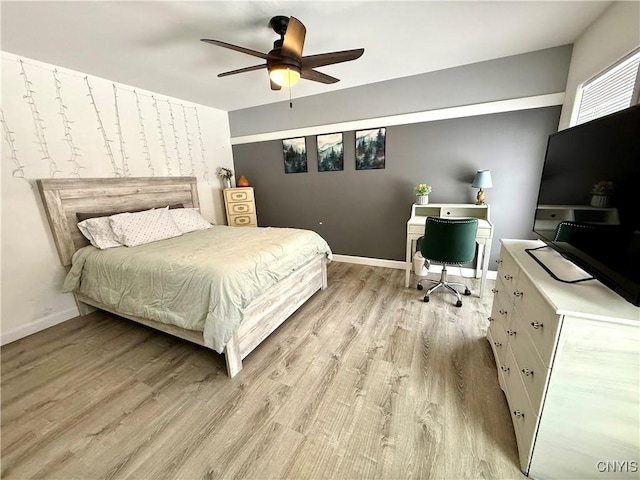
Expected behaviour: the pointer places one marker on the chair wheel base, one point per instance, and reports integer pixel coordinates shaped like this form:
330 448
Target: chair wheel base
467 292
419 287
459 303
426 299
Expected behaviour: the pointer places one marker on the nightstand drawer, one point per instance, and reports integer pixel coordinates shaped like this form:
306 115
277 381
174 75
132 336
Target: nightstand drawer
243 221
239 194
241 208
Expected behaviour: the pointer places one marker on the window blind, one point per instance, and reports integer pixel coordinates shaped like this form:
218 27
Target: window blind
609 92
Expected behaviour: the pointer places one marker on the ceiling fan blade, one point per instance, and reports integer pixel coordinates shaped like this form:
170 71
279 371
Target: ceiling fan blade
242 70
313 61
274 86
294 38
230 46
316 76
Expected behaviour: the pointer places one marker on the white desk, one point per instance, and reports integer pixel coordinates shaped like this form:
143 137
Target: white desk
484 236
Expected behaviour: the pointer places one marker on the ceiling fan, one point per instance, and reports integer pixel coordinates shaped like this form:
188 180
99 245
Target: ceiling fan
285 62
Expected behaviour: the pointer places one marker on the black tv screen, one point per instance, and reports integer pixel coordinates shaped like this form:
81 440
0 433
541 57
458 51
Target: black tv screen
589 199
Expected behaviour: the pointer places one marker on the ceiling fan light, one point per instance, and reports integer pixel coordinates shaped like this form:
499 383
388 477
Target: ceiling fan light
284 76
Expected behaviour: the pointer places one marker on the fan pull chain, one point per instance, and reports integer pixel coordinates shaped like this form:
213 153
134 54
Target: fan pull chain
289 75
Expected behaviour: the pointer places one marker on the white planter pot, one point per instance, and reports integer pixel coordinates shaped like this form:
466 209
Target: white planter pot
422 199
600 201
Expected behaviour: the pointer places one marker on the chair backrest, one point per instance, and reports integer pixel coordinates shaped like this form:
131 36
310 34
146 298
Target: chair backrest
449 240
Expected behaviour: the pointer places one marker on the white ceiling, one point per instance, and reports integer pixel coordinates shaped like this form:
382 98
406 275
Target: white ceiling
156 45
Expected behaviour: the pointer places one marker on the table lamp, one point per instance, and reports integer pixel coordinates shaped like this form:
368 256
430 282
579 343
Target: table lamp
482 181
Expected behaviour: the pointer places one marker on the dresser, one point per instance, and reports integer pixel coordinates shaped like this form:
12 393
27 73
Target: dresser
568 361
240 205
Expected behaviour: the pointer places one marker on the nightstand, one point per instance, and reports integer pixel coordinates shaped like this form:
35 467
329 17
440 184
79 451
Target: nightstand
240 206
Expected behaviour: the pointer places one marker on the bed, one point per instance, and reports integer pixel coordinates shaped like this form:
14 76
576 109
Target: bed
267 309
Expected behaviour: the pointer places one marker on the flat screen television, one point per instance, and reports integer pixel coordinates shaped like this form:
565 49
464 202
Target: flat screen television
589 200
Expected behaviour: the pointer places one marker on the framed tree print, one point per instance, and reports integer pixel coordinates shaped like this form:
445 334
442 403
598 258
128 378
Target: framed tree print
370 149
330 152
295 155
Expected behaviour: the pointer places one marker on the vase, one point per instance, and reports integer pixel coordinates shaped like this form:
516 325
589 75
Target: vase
227 182
422 199
600 201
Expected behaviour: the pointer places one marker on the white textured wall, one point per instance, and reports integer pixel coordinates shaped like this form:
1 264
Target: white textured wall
613 35
51 129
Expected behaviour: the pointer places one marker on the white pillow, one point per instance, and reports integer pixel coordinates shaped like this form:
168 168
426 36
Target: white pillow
98 231
133 229
189 219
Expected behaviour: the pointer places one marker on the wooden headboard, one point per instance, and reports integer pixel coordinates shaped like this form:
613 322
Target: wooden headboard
64 198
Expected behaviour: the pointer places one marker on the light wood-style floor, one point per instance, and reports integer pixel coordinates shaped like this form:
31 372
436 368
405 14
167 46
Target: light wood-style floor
364 381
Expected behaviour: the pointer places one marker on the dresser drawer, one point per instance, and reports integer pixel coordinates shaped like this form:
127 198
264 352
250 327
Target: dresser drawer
500 310
243 220
239 195
524 420
541 321
533 373
498 342
241 208
507 270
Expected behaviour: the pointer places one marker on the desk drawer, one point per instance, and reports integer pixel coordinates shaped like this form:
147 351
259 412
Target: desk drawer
415 229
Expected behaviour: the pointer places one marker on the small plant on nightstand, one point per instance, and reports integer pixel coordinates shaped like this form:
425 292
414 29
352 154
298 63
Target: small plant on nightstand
225 174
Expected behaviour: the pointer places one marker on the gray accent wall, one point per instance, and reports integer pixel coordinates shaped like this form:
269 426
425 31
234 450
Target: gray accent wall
364 213
529 74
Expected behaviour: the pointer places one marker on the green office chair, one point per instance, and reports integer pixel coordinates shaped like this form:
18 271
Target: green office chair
450 242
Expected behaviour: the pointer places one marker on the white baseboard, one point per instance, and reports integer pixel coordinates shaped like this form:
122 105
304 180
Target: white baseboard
380 262
38 325
372 262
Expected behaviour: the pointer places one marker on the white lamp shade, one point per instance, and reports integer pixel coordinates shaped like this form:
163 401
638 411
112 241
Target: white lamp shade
482 180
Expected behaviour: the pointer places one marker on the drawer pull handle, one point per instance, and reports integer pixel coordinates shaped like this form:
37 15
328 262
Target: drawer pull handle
537 325
490 319
497 344
498 261
518 414
508 277
502 312
511 332
517 293
527 372
494 290
504 368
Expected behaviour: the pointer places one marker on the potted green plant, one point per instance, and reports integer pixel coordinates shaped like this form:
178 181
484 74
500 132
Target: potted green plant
422 191
601 194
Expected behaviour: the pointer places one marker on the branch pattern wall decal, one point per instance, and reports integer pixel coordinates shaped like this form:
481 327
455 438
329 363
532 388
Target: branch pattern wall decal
18 171
66 125
162 142
107 145
189 144
79 101
123 154
205 175
143 137
172 123
37 122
